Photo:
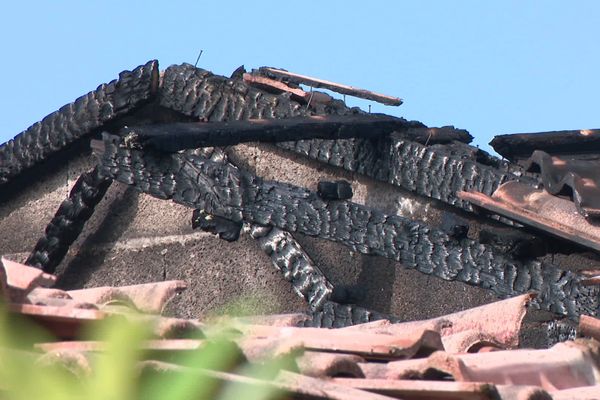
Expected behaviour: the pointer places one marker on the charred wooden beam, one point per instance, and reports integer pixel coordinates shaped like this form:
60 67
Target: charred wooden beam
520 146
78 119
429 171
335 315
69 220
200 94
179 136
283 249
296 266
225 191
336 87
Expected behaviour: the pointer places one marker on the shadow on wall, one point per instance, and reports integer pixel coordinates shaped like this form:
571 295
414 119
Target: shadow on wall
98 244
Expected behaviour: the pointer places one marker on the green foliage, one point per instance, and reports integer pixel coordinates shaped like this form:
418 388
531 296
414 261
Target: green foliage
117 373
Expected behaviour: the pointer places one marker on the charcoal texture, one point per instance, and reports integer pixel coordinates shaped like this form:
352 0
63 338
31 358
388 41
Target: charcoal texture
285 252
338 190
560 331
75 120
69 220
173 137
225 191
198 93
334 315
425 170
295 265
225 229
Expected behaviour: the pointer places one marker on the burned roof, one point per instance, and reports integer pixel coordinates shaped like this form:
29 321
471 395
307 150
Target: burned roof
173 136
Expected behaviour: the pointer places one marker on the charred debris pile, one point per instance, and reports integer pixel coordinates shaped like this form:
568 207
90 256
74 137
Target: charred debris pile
514 226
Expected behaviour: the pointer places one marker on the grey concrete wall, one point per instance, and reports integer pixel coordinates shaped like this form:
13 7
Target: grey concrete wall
133 238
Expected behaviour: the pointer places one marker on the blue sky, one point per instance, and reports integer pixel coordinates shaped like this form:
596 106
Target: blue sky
491 67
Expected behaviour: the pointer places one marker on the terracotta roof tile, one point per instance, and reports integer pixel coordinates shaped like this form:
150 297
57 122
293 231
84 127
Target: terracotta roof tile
369 345
563 366
496 324
378 356
148 297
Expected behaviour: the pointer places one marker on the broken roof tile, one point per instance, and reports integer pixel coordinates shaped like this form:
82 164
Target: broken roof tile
589 326
565 365
147 297
367 345
63 322
414 390
322 388
576 178
323 364
24 278
540 210
497 324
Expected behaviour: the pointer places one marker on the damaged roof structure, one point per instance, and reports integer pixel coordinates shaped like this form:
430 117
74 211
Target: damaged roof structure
187 175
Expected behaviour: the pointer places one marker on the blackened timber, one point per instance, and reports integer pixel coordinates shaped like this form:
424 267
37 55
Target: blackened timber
287 256
335 315
283 249
225 229
78 119
200 94
179 136
225 191
425 170
69 220
336 87
520 146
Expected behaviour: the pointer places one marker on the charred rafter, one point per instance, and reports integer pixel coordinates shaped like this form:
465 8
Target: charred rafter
77 119
227 192
285 252
335 315
295 265
69 220
401 161
179 136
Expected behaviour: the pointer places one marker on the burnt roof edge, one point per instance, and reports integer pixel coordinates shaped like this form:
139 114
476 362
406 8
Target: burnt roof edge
522 145
78 119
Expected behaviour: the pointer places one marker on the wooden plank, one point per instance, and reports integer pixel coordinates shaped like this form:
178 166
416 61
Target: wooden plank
276 86
179 136
336 87
189 135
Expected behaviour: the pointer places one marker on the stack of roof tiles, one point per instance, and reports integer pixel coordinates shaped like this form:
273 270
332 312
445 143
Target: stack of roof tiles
468 355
